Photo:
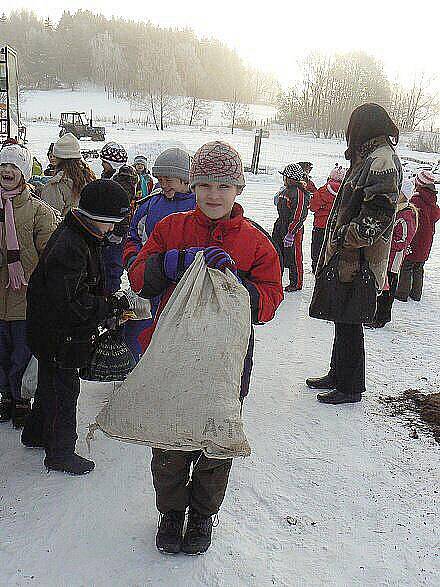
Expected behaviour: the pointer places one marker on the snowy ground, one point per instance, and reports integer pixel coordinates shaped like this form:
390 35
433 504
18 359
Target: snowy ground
362 497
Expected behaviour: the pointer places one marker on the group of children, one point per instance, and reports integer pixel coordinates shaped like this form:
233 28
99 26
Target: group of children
66 241
56 296
411 243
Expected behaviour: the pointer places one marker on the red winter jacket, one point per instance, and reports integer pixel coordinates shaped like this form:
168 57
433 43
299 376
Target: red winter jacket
256 258
322 202
405 228
426 202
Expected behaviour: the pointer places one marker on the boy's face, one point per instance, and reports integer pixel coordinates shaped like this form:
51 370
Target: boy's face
106 167
216 200
10 177
140 167
171 185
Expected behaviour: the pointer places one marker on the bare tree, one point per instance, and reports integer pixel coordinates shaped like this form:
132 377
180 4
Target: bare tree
234 110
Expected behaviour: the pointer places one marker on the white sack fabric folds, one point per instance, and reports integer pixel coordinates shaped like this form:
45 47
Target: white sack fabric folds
184 393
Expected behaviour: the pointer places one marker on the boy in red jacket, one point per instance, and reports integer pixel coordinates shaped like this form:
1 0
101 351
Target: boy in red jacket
217 226
321 205
411 275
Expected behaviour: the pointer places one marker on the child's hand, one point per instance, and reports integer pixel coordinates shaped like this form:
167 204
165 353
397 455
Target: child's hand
217 258
176 262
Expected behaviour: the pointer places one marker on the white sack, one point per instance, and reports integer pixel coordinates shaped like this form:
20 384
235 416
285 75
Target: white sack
184 393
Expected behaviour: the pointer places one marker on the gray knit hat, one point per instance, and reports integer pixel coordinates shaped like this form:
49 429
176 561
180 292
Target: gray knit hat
172 163
67 147
217 162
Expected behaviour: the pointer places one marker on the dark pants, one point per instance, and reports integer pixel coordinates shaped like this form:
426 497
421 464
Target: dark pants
318 235
293 260
174 489
386 299
410 281
53 418
347 365
14 357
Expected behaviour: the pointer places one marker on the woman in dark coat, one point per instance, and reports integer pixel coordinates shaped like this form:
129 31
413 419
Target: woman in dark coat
361 219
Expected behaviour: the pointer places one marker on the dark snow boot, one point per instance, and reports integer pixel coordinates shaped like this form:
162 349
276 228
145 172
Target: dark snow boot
5 409
30 441
198 533
338 397
72 464
326 382
169 533
20 411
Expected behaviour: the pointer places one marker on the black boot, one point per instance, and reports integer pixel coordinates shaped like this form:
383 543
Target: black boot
326 382
30 440
169 533
198 533
20 411
5 409
338 397
69 463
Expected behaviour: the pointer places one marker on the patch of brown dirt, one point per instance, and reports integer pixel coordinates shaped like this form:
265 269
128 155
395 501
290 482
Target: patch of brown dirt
426 406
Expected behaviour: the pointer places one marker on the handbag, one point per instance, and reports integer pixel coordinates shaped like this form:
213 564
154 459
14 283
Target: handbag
111 359
354 302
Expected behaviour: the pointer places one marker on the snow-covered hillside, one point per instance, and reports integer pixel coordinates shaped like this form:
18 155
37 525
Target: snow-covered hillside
331 496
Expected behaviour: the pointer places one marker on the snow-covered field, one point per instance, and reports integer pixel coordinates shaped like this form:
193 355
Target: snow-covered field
362 497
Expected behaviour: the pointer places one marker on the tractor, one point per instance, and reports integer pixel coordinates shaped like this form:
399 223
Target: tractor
77 124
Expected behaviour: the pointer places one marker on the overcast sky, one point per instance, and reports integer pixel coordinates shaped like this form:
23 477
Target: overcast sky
274 35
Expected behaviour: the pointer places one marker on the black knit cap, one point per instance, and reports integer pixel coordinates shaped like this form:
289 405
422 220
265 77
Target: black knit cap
104 200
369 121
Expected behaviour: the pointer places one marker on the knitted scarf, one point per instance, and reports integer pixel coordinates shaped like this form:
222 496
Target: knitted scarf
15 268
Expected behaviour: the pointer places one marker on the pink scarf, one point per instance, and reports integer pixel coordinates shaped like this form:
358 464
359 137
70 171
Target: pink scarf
15 268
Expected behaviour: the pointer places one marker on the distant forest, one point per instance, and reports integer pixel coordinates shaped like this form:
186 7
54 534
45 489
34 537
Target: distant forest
130 59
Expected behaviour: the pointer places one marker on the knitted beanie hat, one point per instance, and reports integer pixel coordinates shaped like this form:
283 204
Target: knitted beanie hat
172 163
293 171
114 154
67 147
18 156
425 178
338 173
104 200
217 162
128 179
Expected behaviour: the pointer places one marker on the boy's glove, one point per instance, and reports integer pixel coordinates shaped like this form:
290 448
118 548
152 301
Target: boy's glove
119 304
176 262
289 240
138 308
217 258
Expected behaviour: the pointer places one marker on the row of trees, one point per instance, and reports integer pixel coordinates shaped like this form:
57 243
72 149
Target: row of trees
134 59
330 87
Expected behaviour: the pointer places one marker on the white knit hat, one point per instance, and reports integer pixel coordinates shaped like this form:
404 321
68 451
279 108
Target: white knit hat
18 156
67 147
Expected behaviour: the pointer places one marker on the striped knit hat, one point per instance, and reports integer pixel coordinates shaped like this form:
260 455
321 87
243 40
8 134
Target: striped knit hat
425 178
217 162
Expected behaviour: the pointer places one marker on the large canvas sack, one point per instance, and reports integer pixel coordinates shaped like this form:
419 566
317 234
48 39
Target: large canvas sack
184 393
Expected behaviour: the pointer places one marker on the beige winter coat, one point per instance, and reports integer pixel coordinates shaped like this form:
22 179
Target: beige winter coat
34 223
58 193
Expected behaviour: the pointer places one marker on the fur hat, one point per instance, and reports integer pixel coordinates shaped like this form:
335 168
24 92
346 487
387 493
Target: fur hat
128 179
337 173
67 147
104 200
114 154
217 162
172 163
18 156
293 171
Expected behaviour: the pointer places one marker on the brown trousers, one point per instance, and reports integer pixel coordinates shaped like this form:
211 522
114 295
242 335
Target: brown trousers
175 490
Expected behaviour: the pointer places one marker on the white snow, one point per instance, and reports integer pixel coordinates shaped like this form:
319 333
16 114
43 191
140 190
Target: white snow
360 494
